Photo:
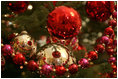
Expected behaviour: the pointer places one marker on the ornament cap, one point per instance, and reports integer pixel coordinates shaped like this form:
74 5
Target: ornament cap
24 32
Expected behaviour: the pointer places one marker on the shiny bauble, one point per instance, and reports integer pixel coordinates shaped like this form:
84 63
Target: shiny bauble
99 10
55 54
18 6
32 65
64 22
24 44
6 50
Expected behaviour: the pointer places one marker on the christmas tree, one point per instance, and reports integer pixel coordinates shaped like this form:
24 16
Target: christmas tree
58 39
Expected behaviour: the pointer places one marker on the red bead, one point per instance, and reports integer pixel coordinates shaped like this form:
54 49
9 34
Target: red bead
7 50
112 60
46 69
111 75
114 43
109 31
60 70
29 43
54 2
64 22
11 36
18 6
110 44
99 10
114 67
104 39
110 51
56 54
92 55
32 65
100 48
112 23
19 59
73 68
83 62
114 15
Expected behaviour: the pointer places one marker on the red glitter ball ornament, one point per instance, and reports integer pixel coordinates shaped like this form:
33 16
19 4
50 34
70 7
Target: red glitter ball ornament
92 55
99 10
109 31
112 23
110 44
60 70
56 54
73 68
32 65
114 15
64 22
19 59
100 48
110 51
18 6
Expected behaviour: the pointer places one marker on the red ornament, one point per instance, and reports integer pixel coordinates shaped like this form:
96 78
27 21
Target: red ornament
11 36
46 69
100 48
54 2
60 70
110 44
114 68
18 6
83 62
104 39
7 50
32 65
73 68
112 23
114 43
64 22
110 51
114 15
99 10
112 60
29 43
56 54
19 59
109 31
92 55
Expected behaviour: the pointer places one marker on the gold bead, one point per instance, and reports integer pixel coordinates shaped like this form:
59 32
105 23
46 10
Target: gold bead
67 70
13 54
79 65
111 55
40 67
91 63
114 72
54 70
89 59
2 44
25 63
21 67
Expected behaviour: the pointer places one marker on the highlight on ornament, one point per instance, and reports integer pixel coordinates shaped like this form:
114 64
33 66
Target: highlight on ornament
59 39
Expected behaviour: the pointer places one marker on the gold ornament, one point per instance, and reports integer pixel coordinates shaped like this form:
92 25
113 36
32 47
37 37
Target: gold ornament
25 44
